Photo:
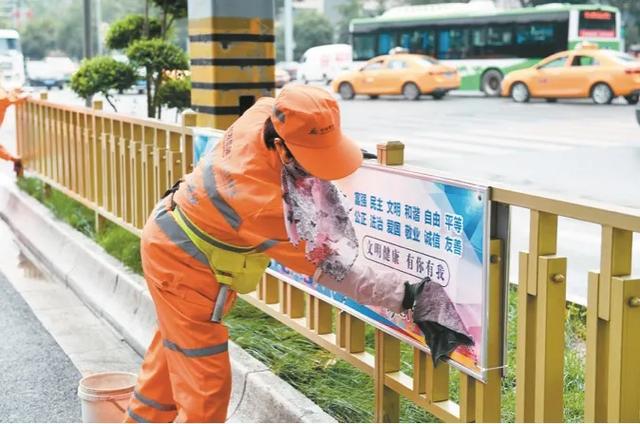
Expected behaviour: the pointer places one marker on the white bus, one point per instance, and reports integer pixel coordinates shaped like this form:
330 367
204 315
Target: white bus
12 73
482 41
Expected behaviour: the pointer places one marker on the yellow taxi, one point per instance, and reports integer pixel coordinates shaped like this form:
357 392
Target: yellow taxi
584 72
408 74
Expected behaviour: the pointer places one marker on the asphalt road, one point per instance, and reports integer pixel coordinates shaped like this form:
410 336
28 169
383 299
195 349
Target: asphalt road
571 149
38 380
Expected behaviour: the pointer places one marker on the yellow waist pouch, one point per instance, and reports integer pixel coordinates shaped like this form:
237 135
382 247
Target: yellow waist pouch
241 268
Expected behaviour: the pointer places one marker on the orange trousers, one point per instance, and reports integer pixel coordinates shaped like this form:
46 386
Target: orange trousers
186 374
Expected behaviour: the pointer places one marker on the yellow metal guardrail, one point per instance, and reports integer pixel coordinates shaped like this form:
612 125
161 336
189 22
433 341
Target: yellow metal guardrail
119 166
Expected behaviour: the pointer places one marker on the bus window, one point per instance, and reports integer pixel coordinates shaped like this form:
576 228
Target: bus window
385 43
363 46
453 44
540 39
597 23
426 43
499 41
405 40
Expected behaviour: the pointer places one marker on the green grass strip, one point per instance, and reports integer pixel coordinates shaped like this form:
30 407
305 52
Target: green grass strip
337 387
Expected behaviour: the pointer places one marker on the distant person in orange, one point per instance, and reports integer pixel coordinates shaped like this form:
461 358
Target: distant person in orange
7 98
264 192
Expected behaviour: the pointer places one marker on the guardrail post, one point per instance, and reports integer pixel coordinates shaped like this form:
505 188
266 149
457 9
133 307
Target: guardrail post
283 296
98 159
341 325
355 334
322 319
125 173
295 307
467 398
135 161
488 394
549 379
310 311
542 242
387 401
189 119
147 153
270 289
390 153
615 261
624 350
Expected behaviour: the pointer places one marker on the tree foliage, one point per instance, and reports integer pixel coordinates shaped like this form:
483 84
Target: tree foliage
349 10
176 8
310 28
102 74
157 55
176 93
37 41
129 29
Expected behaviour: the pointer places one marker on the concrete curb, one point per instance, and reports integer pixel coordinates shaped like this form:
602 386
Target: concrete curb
121 298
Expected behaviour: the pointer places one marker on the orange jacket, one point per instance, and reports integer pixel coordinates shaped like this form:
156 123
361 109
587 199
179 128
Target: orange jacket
234 193
4 154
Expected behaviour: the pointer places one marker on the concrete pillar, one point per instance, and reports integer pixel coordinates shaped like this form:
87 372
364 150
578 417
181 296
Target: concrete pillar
231 44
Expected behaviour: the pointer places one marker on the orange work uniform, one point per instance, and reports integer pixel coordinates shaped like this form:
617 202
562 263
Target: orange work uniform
4 154
233 195
5 102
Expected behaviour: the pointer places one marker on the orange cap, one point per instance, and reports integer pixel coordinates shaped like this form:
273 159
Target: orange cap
308 120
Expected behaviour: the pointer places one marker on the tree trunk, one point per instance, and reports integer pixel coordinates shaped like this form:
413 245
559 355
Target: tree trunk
150 107
156 89
108 99
145 28
164 20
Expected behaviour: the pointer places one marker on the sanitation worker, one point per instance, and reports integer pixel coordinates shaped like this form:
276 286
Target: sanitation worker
263 192
6 100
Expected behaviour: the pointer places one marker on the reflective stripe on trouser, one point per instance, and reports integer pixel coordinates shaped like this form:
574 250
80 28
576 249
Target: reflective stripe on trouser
187 364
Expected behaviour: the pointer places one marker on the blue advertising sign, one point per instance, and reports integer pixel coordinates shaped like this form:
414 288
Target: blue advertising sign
204 140
418 226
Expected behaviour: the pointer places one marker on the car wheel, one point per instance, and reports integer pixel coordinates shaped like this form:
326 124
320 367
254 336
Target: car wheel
438 96
601 94
632 99
410 91
491 82
346 91
551 100
373 96
520 92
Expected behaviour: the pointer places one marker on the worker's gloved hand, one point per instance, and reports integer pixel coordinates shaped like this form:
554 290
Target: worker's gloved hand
437 318
17 167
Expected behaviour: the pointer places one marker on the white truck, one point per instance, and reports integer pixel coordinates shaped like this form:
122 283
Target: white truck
11 60
323 63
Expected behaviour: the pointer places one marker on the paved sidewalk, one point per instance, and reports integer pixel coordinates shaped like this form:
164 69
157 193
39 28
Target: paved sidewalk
38 380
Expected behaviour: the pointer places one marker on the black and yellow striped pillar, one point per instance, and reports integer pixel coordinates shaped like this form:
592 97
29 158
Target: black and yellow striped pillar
231 44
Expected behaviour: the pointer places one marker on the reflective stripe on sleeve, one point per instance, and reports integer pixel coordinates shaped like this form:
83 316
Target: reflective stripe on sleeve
205 351
152 403
209 178
266 245
135 417
178 237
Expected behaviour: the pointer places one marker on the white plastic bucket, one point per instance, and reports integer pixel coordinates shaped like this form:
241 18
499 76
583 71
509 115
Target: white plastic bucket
105 396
